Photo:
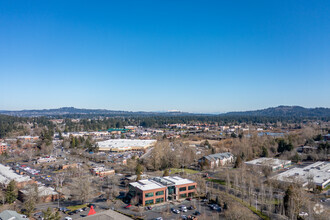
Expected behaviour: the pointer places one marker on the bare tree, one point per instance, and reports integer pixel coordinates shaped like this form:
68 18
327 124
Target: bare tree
81 189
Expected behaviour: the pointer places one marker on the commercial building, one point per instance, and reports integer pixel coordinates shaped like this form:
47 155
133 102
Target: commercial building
106 215
215 160
45 194
317 173
7 175
272 163
101 171
3 147
161 189
118 145
28 138
46 159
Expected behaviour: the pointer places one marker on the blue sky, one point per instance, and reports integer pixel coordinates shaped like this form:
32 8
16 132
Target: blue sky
196 56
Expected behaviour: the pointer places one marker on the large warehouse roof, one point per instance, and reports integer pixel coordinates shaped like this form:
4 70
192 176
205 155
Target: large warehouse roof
319 171
7 174
125 144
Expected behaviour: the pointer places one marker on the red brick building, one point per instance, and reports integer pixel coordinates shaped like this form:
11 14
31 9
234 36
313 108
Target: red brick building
3 147
161 189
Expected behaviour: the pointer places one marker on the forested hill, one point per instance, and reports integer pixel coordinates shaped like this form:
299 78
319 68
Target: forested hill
278 112
285 111
71 111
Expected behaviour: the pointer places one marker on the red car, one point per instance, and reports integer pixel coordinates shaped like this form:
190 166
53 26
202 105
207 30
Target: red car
189 199
128 206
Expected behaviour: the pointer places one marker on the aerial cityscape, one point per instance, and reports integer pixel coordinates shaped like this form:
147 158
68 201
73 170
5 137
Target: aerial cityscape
161 110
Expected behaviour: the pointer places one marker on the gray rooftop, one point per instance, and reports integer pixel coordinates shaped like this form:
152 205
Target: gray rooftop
11 215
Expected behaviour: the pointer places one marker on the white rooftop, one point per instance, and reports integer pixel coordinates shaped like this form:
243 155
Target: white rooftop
7 174
125 143
176 180
160 182
42 191
147 185
320 171
266 161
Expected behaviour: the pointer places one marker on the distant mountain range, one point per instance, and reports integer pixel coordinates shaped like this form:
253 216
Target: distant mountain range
78 111
285 111
280 111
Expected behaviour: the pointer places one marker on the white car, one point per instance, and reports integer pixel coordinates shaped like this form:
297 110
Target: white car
303 214
68 218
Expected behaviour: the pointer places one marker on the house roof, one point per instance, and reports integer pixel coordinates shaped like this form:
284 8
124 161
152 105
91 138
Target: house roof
11 215
219 156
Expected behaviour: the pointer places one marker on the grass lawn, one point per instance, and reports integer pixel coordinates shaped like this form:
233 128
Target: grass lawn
75 207
252 208
222 182
176 170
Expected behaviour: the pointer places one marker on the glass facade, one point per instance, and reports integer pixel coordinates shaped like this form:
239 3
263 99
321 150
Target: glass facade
171 190
149 202
182 189
159 193
149 195
159 200
191 187
183 195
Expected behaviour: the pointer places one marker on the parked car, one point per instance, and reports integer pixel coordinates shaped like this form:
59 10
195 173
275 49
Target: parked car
91 204
183 208
189 199
128 206
184 217
159 218
303 214
68 218
197 213
175 211
191 207
148 208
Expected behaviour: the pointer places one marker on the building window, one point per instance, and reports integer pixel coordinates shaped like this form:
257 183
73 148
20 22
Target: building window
149 202
184 195
159 200
171 190
149 195
191 194
182 189
159 193
191 187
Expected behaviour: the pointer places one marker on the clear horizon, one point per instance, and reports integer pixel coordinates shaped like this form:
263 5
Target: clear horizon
193 56
153 111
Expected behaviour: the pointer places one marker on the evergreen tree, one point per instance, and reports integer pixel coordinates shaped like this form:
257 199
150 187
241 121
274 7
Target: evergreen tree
166 172
11 192
264 152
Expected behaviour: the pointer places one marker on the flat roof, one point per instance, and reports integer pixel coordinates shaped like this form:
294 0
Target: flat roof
176 180
42 191
125 143
266 161
145 185
7 174
160 182
320 171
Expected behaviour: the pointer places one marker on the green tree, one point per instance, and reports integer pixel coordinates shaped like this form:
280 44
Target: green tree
49 215
11 192
166 172
139 169
264 152
238 162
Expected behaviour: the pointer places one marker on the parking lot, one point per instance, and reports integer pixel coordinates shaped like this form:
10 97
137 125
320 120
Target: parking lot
167 211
